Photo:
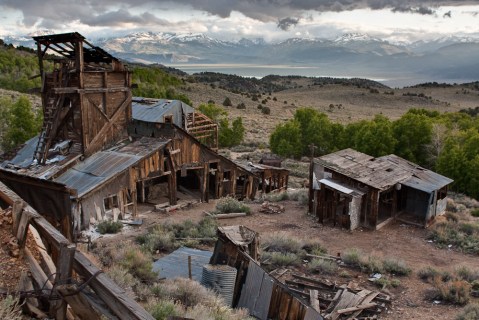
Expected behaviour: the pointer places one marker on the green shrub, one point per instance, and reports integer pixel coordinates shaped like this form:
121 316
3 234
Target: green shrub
396 266
123 279
475 213
384 282
323 266
352 257
279 242
109 226
266 110
428 274
371 265
227 102
276 196
470 312
138 264
456 292
466 274
275 260
300 196
464 236
313 247
453 217
230 205
158 239
162 309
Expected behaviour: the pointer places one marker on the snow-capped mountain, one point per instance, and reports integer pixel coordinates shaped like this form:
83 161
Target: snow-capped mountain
352 53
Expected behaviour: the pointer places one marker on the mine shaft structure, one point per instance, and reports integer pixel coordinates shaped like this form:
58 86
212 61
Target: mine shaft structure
86 98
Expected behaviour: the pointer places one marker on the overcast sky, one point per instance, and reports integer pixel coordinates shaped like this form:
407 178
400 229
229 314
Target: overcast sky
273 20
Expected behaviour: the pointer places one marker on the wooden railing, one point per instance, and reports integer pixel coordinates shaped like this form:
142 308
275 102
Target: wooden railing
71 283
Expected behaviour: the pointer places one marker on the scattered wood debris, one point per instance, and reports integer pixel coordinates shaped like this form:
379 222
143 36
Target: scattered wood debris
271 208
343 302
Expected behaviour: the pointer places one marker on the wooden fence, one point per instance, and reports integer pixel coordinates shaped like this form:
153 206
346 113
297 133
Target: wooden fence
71 284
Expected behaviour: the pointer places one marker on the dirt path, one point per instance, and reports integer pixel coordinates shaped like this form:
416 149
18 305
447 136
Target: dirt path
395 241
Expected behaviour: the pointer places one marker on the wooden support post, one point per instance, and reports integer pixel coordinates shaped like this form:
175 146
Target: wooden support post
64 272
190 276
21 232
233 182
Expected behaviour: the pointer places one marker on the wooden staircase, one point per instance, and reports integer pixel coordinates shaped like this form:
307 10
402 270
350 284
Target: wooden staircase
53 105
202 128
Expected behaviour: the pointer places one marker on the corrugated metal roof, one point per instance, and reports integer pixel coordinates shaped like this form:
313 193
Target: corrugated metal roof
24 156
102 166
154 110
175 265
383 172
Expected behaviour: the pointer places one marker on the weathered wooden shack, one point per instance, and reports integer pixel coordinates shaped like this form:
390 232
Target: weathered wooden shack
353 189
198 167
271 178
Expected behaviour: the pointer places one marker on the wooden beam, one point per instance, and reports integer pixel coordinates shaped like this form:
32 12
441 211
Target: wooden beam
98 139
114 297
80 305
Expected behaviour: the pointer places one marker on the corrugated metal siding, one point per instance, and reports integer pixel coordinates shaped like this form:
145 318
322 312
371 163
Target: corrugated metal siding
175 264
24 157
154 110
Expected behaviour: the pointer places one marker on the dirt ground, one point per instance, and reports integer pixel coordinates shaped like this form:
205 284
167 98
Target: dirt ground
396 240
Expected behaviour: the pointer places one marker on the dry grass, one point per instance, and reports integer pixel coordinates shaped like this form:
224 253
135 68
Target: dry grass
10 309
355 104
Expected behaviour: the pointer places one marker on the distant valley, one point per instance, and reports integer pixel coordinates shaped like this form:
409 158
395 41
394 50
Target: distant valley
451 60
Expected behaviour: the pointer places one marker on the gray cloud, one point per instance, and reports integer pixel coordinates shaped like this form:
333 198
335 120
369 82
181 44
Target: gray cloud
109 13
286 23
419 10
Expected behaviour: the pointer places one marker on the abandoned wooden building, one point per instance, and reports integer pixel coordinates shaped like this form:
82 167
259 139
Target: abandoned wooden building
353 189
104 152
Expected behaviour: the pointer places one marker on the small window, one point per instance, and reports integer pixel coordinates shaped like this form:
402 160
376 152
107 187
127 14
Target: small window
110 202
168 118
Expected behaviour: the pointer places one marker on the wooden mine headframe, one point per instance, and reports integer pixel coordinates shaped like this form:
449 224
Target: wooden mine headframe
86 98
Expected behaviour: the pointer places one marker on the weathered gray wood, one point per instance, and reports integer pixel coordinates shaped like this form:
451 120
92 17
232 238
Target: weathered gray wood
360 307
25 284
114 297
229 215
21 232
64 273
80 305
38 275
47 261
313 299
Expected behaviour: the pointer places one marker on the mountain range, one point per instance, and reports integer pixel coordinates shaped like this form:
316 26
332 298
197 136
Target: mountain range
451 59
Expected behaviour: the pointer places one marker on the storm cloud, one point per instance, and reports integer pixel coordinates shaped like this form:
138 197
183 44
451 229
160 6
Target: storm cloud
120 12
286 23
